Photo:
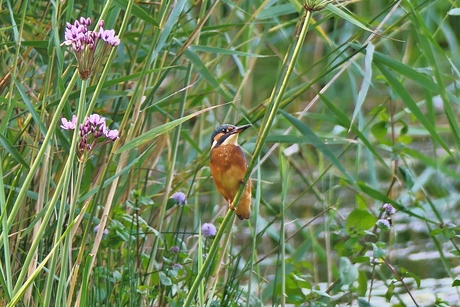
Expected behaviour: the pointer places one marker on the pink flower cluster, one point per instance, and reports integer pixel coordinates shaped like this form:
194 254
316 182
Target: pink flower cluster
89 46
92 129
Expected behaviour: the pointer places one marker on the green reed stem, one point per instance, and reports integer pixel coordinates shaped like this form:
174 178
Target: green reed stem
51 205
103 174
38 160
50 291
277 96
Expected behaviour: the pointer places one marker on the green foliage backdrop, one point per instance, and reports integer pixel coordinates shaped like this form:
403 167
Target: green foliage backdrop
352 153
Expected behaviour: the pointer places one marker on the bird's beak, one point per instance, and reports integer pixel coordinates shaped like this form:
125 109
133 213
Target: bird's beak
242 128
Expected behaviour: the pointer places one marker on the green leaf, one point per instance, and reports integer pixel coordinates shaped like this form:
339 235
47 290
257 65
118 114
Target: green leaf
456 283
435 232
205 73
276 11
377 251
404 128
411 105
366 80
346 122
137 11
431 51
362 302
348 272
155 132
361 219
165 280
171 22
406 176
225 51
30 106
380 129
315 141
432 162
320 293
334 9
376 195
362 283
454 12
6 144
406 273
390 291
36 44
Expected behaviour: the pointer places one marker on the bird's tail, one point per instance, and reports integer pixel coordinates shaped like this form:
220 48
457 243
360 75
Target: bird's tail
244 207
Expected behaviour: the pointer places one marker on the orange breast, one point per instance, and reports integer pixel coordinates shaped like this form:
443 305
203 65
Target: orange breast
228 167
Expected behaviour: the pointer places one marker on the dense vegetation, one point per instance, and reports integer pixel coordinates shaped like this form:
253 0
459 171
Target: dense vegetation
106 197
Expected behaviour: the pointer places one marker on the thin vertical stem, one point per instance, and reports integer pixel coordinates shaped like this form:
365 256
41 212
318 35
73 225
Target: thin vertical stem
269 118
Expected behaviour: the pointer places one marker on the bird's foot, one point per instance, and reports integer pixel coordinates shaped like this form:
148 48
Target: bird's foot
230 205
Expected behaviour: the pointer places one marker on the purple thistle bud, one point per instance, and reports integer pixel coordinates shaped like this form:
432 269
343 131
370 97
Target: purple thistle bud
174 249
180 198
208 230
101 24
105 233
98 134
84 129
389 209
69 125
81 145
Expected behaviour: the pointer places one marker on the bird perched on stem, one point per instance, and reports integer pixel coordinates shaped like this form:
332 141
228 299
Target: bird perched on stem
228 167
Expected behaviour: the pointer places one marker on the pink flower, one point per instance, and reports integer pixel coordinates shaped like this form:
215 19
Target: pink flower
111 134
69 124
89 46
109 37
96 120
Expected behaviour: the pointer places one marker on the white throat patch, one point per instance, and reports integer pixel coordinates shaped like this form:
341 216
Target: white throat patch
231 140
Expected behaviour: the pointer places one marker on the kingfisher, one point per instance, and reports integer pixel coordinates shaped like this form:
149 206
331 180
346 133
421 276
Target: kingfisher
228 167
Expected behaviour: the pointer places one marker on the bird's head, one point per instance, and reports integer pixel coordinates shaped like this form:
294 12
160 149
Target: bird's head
226 134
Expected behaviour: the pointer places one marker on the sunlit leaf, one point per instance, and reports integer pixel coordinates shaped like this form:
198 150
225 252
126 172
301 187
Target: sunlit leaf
348 272
361 219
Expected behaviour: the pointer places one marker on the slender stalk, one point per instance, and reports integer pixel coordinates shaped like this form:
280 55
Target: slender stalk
277 96
66 179
5 265
106 208
52 203
38 160
171 166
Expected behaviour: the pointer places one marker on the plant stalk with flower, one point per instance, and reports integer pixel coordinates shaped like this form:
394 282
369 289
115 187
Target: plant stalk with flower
92 130
89 47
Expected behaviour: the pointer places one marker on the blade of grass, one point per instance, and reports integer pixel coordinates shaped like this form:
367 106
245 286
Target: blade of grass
412 106
315 141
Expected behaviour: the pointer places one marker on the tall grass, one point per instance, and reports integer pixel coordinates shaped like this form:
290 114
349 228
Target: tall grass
353 109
